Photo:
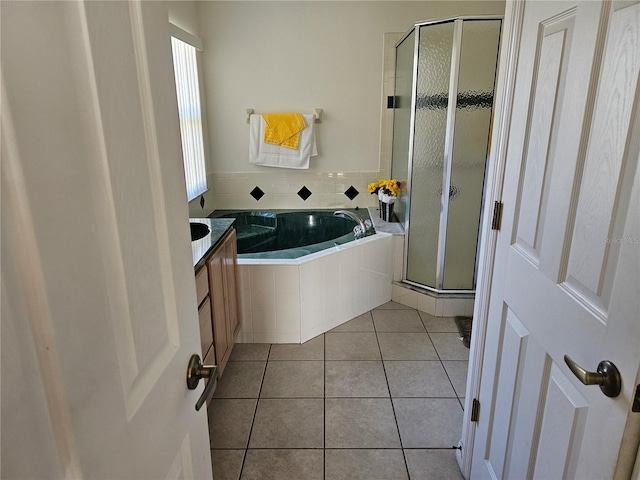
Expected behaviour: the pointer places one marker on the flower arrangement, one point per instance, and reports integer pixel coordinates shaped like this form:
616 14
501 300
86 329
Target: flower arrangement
387 190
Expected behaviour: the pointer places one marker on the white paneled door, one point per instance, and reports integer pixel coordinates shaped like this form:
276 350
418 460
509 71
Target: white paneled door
98 299
567 269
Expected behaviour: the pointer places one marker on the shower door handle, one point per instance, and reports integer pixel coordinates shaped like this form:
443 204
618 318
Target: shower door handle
607 376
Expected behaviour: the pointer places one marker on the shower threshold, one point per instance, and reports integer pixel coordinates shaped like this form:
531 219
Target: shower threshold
438 304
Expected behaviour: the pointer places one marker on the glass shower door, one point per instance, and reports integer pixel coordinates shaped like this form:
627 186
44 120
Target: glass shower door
402 105
429 141
474 102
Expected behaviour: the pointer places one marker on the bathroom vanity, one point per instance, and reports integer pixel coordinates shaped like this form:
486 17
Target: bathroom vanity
215 265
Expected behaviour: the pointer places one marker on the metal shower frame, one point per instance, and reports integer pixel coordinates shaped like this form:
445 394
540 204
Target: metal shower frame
448 150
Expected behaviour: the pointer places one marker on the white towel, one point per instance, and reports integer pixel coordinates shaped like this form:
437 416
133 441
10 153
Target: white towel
268 155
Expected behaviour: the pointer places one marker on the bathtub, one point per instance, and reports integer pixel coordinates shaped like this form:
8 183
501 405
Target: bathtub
294 294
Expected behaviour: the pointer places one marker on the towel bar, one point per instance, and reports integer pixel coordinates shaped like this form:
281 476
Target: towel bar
317 114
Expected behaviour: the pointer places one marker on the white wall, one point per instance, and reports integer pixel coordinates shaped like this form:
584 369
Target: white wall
184 14
297 56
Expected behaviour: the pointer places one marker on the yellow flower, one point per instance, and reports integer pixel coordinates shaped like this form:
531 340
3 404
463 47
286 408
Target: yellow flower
389 187
373 187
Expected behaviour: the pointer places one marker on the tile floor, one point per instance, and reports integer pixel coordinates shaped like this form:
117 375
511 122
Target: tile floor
379 397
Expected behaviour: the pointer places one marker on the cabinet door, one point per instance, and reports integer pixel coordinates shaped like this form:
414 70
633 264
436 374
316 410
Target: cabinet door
216 267
233 319
206 335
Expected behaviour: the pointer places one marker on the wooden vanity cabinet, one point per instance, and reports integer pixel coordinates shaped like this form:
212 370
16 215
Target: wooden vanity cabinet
204 316
222 269
216 290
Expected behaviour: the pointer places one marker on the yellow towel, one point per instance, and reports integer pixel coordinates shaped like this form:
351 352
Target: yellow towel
283 129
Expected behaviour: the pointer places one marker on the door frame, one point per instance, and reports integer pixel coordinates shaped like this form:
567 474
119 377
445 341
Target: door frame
505 86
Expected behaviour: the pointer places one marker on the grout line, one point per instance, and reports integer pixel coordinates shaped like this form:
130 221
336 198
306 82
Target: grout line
253 421
324 396
451 381
324 408
339 397
393 408
406 464
335 448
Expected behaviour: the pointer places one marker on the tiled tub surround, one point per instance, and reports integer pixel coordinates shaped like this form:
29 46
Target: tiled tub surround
294 300
280 189
378 397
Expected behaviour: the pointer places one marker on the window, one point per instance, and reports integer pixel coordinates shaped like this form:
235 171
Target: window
189 109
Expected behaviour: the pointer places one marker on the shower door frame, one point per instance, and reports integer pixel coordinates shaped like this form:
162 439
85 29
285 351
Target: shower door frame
458 22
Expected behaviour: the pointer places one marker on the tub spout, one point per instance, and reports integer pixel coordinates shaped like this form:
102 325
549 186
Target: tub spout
355 218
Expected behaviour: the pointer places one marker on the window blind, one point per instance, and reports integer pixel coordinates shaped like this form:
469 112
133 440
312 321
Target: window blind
189 109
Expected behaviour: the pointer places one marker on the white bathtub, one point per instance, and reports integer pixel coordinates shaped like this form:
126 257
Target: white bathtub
294 300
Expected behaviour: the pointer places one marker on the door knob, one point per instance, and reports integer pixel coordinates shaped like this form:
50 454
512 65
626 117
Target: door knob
607 376
195 371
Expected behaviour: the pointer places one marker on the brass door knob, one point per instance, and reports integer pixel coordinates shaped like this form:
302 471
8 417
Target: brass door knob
607 376
195 371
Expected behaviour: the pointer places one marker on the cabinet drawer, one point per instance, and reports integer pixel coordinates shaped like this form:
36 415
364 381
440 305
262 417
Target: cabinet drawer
202 284
206 333
210 358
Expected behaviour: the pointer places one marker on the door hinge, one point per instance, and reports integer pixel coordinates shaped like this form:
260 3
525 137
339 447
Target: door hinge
475 410
497 215
636 401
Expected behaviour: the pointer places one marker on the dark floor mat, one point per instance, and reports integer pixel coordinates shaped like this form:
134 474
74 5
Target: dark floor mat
464 328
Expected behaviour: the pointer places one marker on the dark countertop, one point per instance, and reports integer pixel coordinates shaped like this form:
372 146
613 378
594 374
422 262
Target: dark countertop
200 248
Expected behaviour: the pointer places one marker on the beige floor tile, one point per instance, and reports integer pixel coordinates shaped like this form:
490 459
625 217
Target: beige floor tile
352 346
433 464
240 380
362 323
438 324
360 423
457 371
303 378
227 464
230 422
418 379
283 464
355 379
428 422
397 321
449 346
311 350
249 352
288 423
364 465
406 346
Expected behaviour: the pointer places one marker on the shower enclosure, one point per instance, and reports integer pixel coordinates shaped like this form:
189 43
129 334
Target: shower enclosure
445 73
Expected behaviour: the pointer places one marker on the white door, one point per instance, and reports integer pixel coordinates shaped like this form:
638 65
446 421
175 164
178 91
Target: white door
567 269
98 299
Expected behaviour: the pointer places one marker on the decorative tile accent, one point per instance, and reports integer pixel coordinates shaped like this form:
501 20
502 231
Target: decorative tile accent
201 201
304 193
257 193
352 192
